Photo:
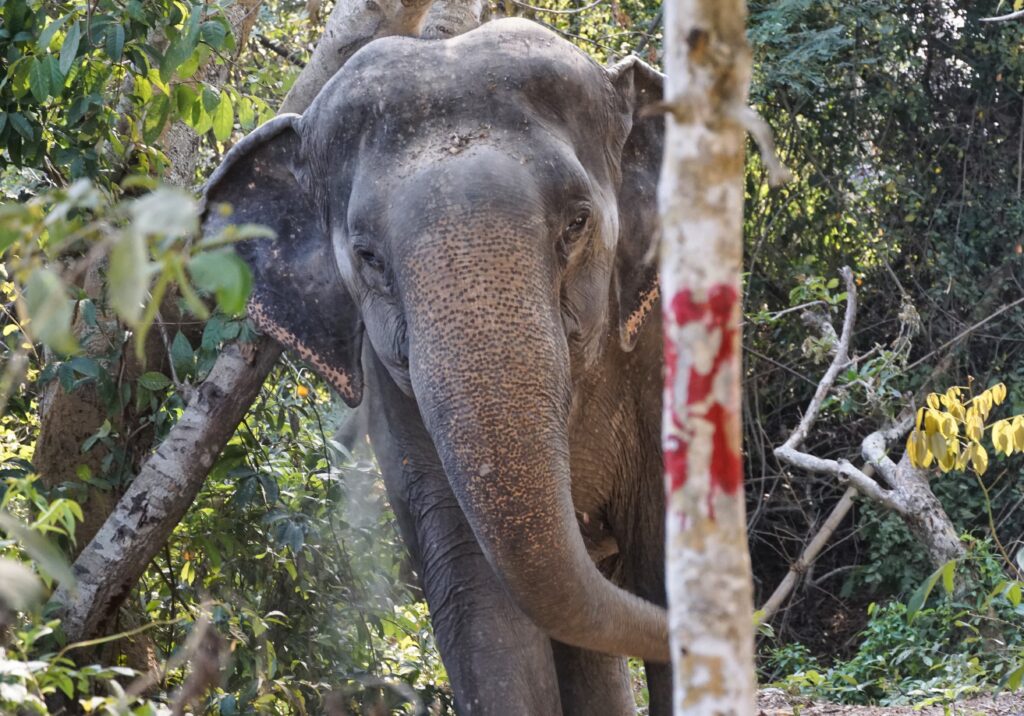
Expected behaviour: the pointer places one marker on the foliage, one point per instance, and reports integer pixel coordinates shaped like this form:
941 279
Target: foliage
962 642
89 90
937 438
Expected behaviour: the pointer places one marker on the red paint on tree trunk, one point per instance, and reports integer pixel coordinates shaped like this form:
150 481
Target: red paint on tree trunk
714 315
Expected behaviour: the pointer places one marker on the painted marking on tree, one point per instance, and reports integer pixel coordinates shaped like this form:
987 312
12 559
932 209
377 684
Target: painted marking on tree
707 333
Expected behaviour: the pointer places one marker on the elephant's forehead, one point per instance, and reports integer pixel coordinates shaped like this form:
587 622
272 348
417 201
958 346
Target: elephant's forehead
496 72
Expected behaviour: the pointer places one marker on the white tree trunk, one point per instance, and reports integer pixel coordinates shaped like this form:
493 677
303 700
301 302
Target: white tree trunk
701 198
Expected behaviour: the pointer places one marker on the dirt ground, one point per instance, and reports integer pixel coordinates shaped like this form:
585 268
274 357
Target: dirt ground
774 702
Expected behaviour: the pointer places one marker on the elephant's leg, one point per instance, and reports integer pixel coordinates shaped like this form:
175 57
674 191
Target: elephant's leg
498 661
593 683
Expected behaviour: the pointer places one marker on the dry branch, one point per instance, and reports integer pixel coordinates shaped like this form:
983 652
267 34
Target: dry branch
903 488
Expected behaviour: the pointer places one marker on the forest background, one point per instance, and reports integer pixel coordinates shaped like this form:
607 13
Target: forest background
284 588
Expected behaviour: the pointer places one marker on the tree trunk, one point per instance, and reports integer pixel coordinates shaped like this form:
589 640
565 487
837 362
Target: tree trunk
701 196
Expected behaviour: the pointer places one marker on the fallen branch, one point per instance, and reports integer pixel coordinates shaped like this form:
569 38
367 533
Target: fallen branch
901 487
810 553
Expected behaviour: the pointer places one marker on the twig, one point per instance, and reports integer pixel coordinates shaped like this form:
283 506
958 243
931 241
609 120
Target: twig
1004 18
277 49
557 12
649 32
811 552
962 334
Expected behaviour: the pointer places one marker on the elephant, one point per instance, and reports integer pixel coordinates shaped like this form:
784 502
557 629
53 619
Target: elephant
482 210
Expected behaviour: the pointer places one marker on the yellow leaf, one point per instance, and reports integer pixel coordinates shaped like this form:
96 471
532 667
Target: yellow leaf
947 460
948 427
920 418
979 460
937 444
953 393
1018 433
957 411
974 425
931 420
917 448
998 393
964 457
933 401
984 404
1002 438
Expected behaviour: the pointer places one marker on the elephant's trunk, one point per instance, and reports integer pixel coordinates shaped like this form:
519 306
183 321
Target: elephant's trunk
489 367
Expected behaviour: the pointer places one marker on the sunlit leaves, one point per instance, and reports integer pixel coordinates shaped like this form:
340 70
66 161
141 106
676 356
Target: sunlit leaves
225 274
937 435
128 277
149 242
46 310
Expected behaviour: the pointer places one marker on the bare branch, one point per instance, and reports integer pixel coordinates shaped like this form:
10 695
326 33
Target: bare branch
1004 18
574 11
874 448
163 490
839 361
843 469
751 121
811 552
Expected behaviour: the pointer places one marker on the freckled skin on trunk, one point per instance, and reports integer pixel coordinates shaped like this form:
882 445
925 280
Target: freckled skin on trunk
490 369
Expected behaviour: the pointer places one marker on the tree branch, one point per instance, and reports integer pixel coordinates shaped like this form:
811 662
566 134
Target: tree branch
839 361
1004 18
162 492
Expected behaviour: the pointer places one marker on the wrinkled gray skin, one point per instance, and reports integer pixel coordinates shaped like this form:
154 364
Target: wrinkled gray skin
481 209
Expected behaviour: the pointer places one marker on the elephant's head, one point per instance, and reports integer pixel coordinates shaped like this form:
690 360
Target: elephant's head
482 209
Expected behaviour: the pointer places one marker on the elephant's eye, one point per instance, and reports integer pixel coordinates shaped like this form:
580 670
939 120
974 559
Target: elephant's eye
367 257
579 222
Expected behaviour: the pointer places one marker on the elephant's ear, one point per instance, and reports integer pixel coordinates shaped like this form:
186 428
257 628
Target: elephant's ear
298 297
636 265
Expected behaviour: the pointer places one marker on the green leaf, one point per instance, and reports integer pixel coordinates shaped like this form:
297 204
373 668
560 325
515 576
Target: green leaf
211 99
224 274
157 112
223 118
920 596
115 41
154 381
69 49
184 98
43 43
213 33
166 211
182 354
46 555
128 276
48 311
22 125
182 46
246 117
20 588
56 76
948 570
39 80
